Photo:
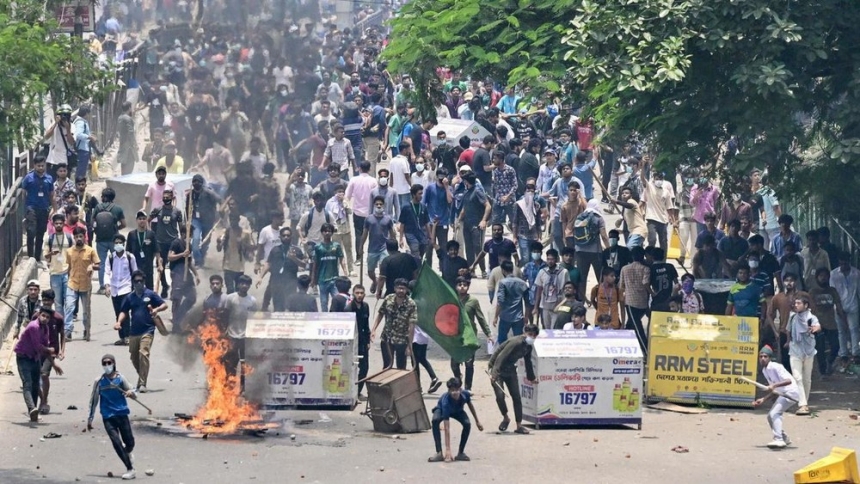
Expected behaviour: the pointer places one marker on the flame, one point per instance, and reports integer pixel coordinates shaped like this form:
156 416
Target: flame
225 409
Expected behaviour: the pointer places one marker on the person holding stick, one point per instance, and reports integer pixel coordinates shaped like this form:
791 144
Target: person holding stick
451 406
110 392
783 387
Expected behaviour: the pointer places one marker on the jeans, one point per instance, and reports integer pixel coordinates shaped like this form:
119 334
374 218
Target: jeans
72 298
501 212
824 338
139 348
585 261
557 234
281 290
523 248
230 280
164 249
102 248
504 326
419 351
849 334
440 238
36 223
634 322
59 284
118 429
417 246
83 168
458 416
364 360
393 353
657 231
635 240
404 199
512 383
327 289
774 417
358 230
117 306
470 371
801 370
30 372
200 231
474 238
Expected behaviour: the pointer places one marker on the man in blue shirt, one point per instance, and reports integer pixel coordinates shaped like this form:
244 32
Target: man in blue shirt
746 298
109 393
40 191
415 223
83 138
452 405
437 199
582 171
142 305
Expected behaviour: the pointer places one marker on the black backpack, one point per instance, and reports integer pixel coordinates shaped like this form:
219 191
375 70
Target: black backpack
104 222
310 220
585 228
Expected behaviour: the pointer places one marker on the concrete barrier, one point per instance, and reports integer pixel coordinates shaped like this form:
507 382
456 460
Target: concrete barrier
25 270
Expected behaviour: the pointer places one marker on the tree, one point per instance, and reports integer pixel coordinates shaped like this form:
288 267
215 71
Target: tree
37 60
689 74
516 42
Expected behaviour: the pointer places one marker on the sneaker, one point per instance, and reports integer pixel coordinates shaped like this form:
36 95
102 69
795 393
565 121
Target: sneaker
69 336
373 288
362 397
45 409
34 415
142 389
786 439
101 291
119 342
804 410
462 457
86 335
129 475
434 385
776 444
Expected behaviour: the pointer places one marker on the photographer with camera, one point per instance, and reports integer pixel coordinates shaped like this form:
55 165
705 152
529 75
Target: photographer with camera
61 141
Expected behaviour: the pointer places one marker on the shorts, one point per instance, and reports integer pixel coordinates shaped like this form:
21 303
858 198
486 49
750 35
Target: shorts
47 365
374 259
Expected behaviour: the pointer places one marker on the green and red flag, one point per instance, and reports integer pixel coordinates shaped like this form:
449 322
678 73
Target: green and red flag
442 317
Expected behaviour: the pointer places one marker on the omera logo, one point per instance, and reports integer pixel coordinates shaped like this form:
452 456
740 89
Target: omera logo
623 361
475 130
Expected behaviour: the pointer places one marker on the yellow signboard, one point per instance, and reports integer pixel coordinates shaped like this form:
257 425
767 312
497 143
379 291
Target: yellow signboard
700 358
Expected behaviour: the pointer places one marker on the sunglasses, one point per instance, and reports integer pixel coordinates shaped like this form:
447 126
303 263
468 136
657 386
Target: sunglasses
106 363
138 281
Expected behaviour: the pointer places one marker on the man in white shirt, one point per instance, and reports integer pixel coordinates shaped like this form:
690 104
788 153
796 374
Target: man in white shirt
237 307
339 150
358 195
269 237
118 270
401 174
659 208
846 280
783 388
60 139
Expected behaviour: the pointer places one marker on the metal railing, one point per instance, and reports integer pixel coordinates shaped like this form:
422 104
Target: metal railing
808 215
12 217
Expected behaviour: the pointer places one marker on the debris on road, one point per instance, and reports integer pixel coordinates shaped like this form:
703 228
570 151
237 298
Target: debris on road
680 449
149 472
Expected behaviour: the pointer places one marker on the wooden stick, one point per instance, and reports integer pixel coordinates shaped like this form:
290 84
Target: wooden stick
446 428
764 387
8 361
190 208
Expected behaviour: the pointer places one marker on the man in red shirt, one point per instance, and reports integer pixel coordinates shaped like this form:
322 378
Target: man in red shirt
584 136
468 152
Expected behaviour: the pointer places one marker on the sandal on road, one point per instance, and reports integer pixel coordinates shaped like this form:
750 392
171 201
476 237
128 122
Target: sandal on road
462 457
504 425
436 458
522 430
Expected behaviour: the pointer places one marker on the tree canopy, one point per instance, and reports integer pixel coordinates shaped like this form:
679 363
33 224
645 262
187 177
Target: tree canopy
36 60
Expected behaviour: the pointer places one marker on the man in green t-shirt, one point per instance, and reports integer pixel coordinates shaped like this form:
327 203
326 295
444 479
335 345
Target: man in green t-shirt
327 255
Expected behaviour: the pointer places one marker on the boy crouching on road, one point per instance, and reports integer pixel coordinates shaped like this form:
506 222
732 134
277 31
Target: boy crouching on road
451 406
783 387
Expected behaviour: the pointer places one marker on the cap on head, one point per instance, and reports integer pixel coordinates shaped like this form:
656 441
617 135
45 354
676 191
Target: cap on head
32 283
766 350
141 214
110 357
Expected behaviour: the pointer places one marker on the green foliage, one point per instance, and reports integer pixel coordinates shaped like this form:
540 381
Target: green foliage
516 41
688 74
36 61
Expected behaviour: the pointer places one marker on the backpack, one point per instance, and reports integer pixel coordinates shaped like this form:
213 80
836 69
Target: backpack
585 228
69 241
104 222
127 257
310 220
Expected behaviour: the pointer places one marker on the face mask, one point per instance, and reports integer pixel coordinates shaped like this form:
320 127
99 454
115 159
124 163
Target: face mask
118 248
108 369
530 341
535 255
753 264
383 182
283 92
703 181
613 242
379 210
549 141
658 183
167 201
687 286
419 167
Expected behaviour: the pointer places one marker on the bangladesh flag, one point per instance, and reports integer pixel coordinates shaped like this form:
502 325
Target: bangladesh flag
442 317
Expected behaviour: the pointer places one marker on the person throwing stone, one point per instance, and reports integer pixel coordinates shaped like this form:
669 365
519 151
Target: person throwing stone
110 391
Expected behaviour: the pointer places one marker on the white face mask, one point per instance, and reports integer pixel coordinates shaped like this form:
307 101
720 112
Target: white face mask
535 255
753 264
283 92
379 210
108 369
118 248
383 182
658 183
530 340
419 167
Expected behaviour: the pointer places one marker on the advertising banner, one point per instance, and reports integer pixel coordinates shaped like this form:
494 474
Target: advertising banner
584 378
301 359
695 358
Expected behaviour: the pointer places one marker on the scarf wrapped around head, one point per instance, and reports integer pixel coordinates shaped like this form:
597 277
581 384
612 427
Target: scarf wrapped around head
593 206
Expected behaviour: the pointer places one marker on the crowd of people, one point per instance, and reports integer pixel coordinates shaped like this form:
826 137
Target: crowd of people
312 167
